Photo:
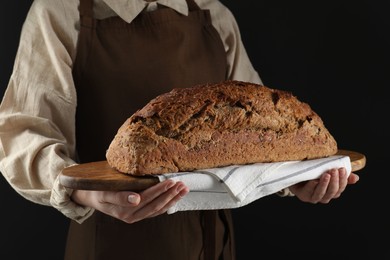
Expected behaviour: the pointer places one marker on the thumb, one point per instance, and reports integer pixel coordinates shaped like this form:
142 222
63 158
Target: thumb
353 178
121 198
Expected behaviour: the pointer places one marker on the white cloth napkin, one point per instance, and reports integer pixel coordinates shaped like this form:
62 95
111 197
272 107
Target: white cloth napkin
238 185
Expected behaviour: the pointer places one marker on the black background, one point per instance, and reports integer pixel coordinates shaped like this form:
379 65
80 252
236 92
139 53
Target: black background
333 55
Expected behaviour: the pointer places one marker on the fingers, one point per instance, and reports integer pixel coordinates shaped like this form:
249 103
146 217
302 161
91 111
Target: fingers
131 207
328 186
153 205
155 191
172 202
331 185
321 188
342 182
131 199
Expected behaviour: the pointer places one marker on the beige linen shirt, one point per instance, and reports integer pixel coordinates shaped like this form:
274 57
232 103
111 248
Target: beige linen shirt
37 113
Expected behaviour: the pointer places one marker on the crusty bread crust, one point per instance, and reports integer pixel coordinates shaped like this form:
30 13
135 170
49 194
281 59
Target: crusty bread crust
216 125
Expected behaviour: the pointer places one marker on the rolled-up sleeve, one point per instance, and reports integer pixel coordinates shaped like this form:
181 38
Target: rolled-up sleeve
37 113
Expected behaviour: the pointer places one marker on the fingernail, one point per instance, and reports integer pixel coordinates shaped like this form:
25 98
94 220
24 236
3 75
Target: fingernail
132 198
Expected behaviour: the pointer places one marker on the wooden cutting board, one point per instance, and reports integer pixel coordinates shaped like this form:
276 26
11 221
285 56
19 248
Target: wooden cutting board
100 176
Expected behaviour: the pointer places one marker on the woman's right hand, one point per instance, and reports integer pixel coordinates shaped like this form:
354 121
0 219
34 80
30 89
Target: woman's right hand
131 207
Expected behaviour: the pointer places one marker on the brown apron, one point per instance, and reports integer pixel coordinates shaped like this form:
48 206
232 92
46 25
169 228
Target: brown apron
119 67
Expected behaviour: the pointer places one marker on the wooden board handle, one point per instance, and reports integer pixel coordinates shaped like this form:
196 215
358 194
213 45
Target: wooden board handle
100 176
358 160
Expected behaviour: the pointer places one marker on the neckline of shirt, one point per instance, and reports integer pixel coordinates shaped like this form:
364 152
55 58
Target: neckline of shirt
129 9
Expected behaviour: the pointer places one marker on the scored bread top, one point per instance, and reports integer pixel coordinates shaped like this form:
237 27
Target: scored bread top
214 125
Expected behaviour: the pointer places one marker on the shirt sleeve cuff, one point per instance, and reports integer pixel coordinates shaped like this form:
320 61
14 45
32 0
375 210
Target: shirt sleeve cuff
60 199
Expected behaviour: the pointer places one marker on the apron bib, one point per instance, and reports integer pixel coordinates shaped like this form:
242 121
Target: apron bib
119 67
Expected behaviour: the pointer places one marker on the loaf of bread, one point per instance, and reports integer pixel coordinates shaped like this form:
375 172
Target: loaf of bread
216 125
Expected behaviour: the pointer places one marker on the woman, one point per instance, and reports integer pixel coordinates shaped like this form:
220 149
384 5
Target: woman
81 69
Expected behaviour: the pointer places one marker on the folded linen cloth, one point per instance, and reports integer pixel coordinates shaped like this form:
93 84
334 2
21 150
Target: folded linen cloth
238 185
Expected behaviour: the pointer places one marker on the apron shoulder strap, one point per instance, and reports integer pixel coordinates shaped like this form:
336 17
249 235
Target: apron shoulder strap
86 13
192 6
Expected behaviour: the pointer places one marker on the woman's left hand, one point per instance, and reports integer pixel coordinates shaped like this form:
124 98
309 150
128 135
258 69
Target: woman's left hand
329 186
